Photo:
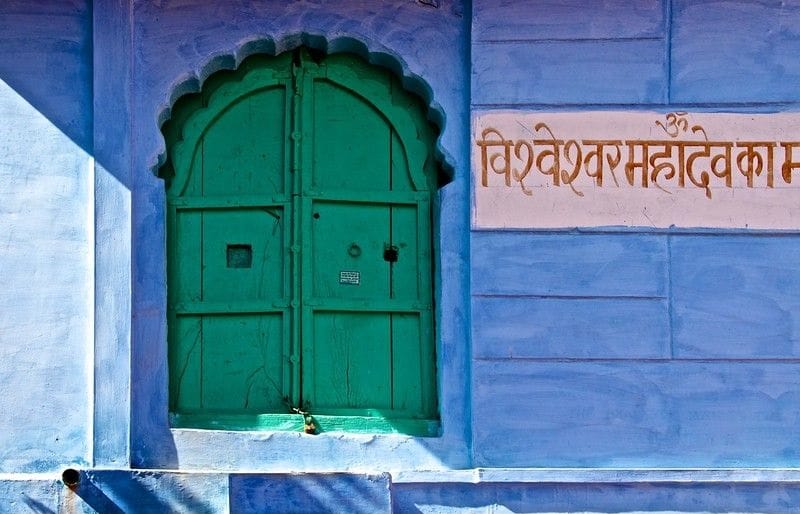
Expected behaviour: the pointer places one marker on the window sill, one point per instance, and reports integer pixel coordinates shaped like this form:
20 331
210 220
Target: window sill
295 423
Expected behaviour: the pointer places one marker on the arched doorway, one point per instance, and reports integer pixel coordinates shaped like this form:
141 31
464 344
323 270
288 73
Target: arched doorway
300 249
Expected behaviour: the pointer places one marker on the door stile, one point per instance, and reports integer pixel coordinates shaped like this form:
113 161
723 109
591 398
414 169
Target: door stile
302 162
304 132
291 378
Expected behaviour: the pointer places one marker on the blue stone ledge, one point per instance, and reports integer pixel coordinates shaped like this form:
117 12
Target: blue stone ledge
166 492
487 490
307 492
562 491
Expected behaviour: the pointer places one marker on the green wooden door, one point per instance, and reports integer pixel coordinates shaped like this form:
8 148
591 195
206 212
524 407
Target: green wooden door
300 249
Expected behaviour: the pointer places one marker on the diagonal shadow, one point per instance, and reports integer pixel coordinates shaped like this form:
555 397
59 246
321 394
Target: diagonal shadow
47 57
37 506
124 491
95 498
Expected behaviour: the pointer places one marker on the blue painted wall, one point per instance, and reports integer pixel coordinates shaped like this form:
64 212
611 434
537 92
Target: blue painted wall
589 349
46 235
634 348
177 45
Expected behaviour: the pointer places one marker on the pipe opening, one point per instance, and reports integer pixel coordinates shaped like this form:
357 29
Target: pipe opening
71 477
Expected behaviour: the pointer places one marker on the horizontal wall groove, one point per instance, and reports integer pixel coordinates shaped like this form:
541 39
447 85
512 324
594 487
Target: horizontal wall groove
565 297
603 475
643 360
744 107
641 231
570 40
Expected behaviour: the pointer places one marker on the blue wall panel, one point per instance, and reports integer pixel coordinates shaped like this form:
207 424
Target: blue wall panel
736 296
317 493
47 60
524 327
112 208
29 495
46 301
513 20
587 265
569 72
634 349
735 51
554 498
635 414
125 491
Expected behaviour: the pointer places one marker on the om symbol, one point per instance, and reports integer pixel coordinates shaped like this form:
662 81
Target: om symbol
676 123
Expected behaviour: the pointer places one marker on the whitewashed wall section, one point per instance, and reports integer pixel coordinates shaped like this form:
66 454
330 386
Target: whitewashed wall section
636 169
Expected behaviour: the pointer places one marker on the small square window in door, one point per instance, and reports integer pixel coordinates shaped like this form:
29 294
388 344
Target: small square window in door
239 256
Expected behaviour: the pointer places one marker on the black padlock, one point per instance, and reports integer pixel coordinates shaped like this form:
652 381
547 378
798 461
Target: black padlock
390 253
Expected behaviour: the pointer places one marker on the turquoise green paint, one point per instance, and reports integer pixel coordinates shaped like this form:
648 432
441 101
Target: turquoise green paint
299 195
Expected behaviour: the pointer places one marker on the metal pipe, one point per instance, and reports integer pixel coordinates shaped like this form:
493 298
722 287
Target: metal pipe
71 477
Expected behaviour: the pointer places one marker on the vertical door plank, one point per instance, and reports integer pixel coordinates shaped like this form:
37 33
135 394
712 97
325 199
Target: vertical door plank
401 178
406 271
185 257
409 363
185 362
184 285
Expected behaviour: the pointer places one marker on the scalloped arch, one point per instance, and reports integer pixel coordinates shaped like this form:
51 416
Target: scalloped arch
193 82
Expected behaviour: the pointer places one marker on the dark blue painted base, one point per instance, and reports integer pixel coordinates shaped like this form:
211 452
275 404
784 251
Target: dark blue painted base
120 491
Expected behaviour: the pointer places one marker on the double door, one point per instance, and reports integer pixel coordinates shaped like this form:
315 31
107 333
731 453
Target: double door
300 245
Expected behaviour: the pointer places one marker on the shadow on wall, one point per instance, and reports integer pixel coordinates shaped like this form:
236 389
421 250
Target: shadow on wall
47 56
37 506
320 493
119 492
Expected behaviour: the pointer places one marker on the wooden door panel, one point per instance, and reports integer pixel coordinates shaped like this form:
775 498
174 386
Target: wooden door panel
349 238
243 255
400 176
405 271
185 259
243 149
352 142
352 364
242 362
414 365
185 352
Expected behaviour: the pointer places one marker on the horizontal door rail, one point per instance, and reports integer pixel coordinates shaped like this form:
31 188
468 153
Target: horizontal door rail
376 197
223 308
372 305
230 202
